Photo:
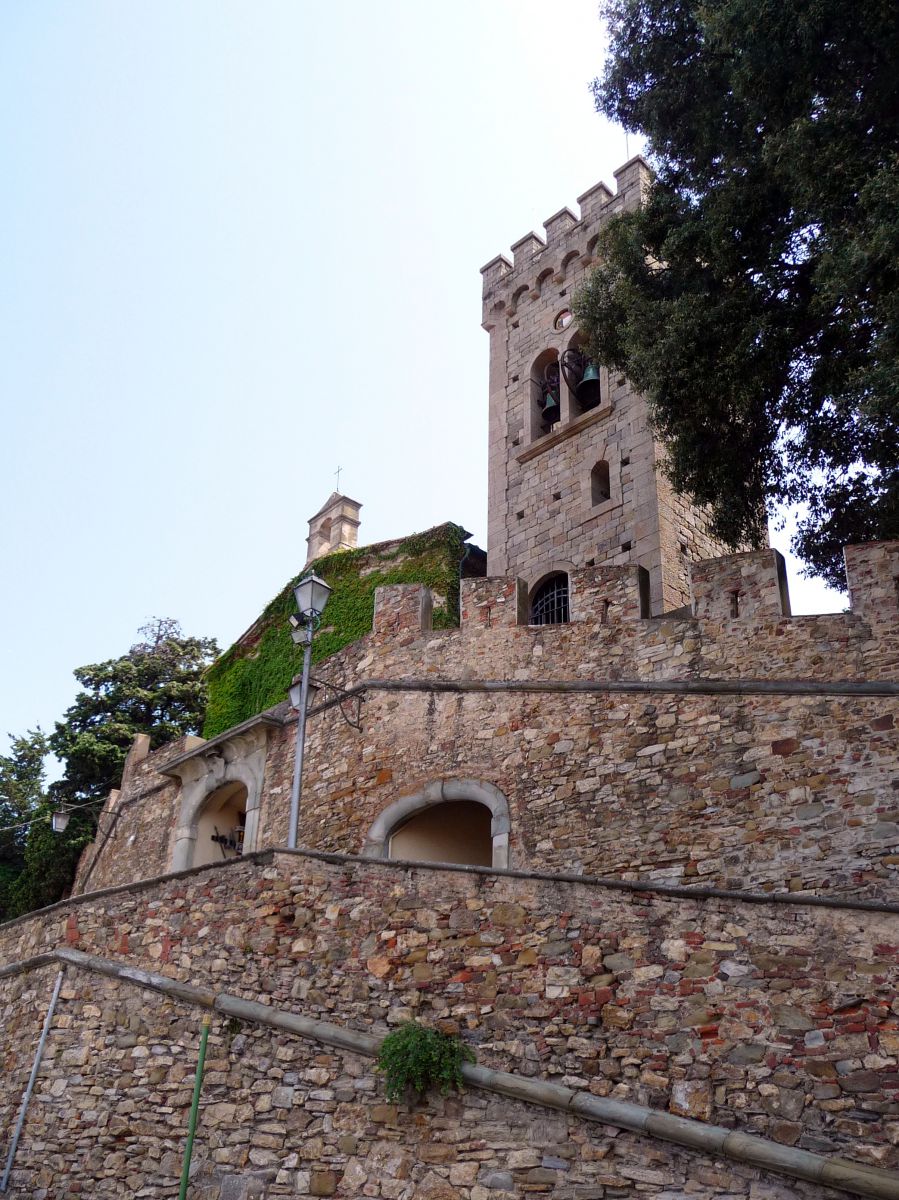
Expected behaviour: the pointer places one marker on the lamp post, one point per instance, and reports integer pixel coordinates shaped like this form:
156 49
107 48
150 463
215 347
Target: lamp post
311 595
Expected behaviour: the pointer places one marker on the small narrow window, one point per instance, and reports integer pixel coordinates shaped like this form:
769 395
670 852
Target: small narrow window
625 546
735 604
549 605
600 483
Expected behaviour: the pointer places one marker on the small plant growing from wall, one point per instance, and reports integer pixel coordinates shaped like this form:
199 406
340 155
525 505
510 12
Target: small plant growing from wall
415 1059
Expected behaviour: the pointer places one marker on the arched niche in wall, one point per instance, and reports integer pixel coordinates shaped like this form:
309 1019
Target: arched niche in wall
221 825
450 820
216 778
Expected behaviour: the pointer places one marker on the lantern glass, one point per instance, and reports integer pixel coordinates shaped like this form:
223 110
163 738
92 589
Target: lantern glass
296 694
311 595
59 821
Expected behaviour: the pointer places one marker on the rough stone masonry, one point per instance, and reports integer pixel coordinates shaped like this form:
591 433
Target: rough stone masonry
691 816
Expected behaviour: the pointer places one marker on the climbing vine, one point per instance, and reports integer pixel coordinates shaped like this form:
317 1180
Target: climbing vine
256 672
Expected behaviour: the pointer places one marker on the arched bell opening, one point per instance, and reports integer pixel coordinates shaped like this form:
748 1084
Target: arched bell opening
546 393
221 825
549 600
457 831
583 377
450 820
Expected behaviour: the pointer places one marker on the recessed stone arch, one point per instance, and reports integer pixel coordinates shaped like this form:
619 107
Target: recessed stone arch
442 792
221 825
238 760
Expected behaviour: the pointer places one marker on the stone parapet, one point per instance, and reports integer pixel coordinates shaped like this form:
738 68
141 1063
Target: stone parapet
609 595
401 609
747 587
872 573
488 602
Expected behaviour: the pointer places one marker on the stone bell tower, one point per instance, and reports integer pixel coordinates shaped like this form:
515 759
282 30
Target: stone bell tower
574 477
334 527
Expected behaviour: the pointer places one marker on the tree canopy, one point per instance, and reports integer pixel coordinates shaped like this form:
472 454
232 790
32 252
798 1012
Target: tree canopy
755 297
156 688
21 796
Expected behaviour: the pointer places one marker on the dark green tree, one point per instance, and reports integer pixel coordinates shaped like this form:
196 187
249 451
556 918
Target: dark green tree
755 298
21 797
156 688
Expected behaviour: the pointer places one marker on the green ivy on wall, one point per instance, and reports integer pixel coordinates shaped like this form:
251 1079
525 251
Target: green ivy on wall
255 673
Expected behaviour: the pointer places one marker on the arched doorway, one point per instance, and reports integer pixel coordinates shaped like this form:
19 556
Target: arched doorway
450 820
221 825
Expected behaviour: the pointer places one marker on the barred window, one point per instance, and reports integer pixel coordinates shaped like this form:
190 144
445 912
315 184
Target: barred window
550 603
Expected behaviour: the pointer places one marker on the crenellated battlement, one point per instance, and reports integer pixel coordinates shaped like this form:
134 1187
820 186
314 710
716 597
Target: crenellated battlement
569 242
734 594
727 742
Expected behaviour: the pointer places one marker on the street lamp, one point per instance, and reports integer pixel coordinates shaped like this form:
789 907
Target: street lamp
311 595
59 820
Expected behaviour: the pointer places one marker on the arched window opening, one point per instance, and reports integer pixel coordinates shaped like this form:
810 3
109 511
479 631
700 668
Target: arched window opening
582 377
549 603
545 393
600 484
221 825
458 831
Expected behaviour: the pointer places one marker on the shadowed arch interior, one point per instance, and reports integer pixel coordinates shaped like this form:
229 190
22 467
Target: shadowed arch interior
221 824
457 831
450 820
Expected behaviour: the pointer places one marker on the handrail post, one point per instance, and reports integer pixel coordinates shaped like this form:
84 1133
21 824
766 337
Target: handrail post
194 1108
38 1055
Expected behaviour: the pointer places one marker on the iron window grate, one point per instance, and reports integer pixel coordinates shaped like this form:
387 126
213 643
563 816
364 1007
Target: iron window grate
550 603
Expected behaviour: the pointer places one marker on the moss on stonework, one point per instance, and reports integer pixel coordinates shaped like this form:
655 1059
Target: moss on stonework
255 673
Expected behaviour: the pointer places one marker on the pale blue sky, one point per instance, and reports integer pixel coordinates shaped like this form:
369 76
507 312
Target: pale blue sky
239 246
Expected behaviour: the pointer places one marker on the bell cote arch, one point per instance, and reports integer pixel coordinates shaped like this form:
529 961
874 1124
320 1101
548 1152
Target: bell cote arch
409 821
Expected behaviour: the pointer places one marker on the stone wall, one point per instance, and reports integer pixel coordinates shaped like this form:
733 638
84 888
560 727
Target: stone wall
283 1117
741 747
780 1019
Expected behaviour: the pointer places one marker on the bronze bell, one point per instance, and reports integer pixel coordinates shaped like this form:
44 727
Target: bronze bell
551 410
588 390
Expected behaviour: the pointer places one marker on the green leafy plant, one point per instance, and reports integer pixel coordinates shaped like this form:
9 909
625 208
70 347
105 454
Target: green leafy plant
415 1059
255 673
